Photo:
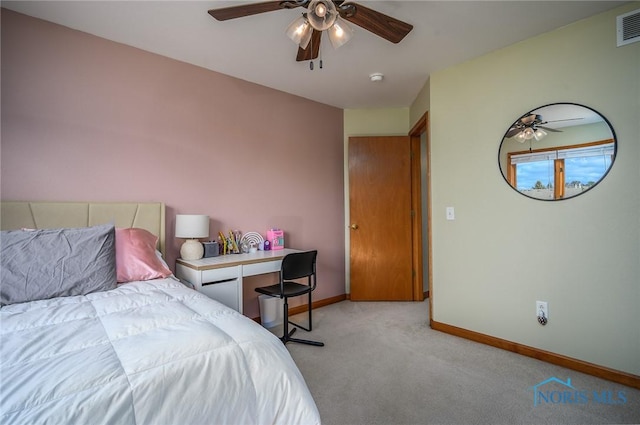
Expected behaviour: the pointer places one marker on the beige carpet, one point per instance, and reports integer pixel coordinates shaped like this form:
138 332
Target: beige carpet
382 364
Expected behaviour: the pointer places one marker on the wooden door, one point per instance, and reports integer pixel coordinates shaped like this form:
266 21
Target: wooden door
380 218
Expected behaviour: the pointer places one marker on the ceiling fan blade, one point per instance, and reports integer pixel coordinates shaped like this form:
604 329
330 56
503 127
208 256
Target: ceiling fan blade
567 119
313 48
232 12
512 132
553 130
378 23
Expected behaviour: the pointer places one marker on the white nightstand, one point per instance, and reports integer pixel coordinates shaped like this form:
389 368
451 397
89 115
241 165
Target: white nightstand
220 277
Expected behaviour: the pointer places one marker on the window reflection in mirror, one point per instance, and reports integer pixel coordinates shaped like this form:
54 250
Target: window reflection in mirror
557 151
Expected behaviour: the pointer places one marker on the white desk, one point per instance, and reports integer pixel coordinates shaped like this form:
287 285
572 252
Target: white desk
220 277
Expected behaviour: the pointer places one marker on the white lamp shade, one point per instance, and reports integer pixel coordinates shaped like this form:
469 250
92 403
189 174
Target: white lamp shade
300 32
340 33
528 133
539 134
192 226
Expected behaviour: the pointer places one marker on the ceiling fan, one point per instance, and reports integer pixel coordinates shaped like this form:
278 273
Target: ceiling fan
319 16
532 121
532 126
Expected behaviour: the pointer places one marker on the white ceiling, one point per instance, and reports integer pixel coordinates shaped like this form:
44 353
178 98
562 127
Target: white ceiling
256 49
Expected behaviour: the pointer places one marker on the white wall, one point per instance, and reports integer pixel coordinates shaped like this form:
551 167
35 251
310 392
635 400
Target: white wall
505 251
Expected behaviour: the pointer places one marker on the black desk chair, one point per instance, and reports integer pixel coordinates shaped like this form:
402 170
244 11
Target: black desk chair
294 266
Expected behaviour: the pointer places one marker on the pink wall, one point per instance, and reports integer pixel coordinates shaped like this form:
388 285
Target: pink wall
84 118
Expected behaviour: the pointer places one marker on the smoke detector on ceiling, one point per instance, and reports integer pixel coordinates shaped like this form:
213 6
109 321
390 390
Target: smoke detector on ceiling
375 77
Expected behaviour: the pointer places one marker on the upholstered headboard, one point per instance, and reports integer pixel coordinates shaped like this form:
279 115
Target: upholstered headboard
47 215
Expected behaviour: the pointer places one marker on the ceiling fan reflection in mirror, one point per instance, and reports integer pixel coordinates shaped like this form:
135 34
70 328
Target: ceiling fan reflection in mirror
322 15
532 126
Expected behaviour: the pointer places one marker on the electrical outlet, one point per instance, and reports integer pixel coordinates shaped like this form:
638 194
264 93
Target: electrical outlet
542 312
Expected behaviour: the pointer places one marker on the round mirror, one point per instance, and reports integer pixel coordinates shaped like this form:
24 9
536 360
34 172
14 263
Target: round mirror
557 151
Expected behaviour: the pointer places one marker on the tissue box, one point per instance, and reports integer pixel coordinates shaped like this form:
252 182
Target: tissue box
276 237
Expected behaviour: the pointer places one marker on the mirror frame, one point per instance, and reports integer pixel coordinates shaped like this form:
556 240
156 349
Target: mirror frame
536 111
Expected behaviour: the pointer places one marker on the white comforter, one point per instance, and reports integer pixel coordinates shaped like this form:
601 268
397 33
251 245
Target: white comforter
145 353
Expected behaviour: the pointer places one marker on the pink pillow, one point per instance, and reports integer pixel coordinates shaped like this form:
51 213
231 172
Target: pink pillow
136 257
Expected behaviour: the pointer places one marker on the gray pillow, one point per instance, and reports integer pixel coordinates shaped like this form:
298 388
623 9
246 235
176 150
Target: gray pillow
48 263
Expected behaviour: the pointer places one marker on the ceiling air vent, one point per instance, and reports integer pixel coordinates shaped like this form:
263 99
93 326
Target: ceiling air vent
628 27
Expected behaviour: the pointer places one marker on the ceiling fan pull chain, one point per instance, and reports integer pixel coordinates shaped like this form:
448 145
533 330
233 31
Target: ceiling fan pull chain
320 63
311 47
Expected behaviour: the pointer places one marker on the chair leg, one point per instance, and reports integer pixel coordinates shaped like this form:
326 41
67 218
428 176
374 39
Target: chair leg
286 336
310 318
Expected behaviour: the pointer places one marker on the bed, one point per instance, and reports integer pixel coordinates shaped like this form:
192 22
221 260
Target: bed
149 351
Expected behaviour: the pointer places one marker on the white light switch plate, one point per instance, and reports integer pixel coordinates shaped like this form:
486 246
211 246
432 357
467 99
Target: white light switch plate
451 215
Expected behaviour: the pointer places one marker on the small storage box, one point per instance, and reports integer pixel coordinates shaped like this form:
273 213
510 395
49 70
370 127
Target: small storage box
276 237
211 249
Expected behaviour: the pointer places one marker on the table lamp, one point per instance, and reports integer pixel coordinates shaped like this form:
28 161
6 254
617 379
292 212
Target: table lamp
191 227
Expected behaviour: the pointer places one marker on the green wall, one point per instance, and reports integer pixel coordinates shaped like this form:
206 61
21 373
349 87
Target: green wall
505 251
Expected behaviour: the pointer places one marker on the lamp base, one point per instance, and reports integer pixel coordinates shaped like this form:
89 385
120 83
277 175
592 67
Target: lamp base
191 249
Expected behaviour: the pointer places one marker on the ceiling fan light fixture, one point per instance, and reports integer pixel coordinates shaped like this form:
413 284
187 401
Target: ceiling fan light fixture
340 32
322 14
320 10
539 134
528 133
300 31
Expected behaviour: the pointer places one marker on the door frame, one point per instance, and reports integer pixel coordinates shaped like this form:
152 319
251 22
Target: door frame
422 126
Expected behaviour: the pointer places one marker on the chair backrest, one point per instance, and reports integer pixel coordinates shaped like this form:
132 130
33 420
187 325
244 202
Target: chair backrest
299 264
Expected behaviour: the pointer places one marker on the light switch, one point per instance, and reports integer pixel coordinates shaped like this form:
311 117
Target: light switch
451 215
